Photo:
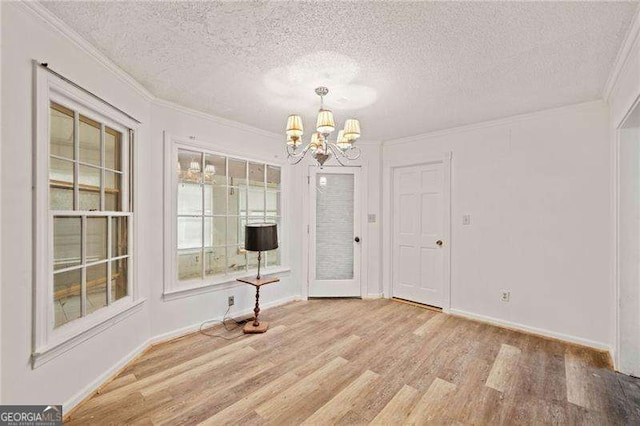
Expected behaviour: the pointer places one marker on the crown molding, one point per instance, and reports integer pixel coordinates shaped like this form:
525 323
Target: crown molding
39 11
496 122
631 39
214 118
36 9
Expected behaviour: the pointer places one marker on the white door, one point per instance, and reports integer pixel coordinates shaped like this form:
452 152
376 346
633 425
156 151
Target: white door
334 230
420 223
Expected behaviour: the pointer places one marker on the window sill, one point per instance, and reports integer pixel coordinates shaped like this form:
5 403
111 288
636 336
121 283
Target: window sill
219 283
65 339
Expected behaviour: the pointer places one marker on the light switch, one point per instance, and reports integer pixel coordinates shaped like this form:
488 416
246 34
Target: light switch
371 218
466 219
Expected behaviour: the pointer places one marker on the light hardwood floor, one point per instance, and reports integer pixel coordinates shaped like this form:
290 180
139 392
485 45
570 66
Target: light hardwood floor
347 361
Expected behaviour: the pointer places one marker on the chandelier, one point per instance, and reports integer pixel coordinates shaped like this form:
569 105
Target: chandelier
320 146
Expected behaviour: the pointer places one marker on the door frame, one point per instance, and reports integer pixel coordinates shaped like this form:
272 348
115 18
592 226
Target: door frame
357 253
362 198
388 222
616 128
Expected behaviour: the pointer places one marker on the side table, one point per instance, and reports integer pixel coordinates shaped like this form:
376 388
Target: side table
257 326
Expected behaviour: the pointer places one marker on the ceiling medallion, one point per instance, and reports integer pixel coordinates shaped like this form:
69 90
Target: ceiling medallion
320 146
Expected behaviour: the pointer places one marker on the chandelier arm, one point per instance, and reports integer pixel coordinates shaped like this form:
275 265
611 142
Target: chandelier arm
337 153
293 158
356 155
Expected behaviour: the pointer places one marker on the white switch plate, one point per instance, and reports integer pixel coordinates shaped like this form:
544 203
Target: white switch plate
371 218
466 219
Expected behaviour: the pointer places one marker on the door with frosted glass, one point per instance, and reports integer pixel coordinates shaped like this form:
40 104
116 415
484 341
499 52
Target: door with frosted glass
334 255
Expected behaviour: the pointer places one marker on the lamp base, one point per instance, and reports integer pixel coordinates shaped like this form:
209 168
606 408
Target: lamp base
249 328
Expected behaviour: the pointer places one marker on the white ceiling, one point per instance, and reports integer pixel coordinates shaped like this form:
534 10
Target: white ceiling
402 68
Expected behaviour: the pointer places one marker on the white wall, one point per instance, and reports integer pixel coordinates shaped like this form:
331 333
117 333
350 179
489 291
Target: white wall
622 93
69 377
59 380
1 400
183 312
537 188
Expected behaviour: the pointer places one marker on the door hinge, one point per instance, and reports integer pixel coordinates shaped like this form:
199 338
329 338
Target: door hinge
308 180
308 229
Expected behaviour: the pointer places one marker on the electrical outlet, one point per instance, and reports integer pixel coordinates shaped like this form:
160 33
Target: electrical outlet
466 219
505 295
232 300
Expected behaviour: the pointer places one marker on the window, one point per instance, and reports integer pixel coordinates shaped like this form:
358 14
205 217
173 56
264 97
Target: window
209 198
83 240
89 213
216 197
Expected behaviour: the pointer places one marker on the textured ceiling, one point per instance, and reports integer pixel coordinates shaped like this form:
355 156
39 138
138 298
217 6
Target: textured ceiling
402 68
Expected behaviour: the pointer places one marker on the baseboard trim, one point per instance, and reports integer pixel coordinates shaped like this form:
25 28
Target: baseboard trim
373 296
533 330
70 405
94 387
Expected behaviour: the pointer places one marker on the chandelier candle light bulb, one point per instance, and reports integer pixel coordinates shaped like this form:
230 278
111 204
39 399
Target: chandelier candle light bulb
321 147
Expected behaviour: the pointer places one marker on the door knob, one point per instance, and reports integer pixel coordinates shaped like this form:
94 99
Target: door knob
357 239
439 243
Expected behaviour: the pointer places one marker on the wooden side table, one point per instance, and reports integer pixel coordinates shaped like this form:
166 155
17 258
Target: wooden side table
257 326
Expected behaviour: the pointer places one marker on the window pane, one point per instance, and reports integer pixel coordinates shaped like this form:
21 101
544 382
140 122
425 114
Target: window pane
273 203
112 151
96 239
237 201
256 175
273 257
189 264
66 296
89 136
89 188
189 166
214 231
118 279
215 169
112 195
256 203
96 287
60 184
334 225
237 172
277 221
236 259
61 131
215 200
119 237
67 246
273 177
235 232
189 198
189 232
214 261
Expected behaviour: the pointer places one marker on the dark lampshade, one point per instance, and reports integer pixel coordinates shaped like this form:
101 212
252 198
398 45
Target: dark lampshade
261 237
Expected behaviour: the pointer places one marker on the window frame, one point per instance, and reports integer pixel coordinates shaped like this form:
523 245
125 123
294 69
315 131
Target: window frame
47 340
175 288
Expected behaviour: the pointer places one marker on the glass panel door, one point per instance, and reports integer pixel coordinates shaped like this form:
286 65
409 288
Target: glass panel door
334 232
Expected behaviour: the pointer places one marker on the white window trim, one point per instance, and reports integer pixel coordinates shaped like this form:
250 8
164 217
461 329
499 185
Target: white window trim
47 342
172 288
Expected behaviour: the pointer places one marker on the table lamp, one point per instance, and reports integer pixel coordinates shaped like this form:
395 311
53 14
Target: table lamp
260 237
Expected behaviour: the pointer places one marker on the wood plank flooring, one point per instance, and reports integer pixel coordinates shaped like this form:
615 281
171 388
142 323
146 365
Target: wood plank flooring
348 361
